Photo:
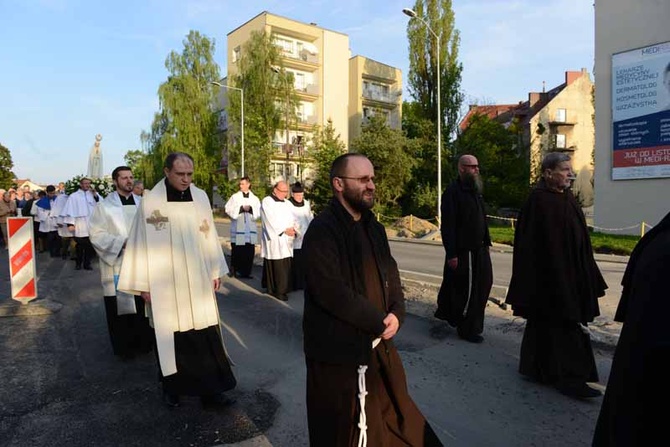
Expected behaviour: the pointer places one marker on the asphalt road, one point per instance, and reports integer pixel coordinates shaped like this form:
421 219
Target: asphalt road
62 386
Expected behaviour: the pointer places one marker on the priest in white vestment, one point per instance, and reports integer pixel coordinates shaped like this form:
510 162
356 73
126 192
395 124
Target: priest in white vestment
244 209
109 225
76 213
277 241
302 214
174 260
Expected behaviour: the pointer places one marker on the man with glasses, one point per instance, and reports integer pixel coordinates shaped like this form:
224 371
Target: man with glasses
354 306
468 274
277 241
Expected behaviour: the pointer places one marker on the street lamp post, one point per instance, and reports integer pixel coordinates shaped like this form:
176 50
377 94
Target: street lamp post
241 117
412 14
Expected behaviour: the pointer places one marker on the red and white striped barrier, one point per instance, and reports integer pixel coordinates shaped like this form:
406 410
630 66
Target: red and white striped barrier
22 271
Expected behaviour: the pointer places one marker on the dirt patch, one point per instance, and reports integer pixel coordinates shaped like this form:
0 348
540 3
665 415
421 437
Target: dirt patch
411 227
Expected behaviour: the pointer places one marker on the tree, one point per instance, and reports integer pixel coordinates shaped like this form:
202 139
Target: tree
6 164
139 163
504 168
326 147
266 86
387 150
186 120
423 67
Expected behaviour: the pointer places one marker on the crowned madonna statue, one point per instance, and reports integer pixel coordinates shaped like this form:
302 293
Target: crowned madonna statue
95 168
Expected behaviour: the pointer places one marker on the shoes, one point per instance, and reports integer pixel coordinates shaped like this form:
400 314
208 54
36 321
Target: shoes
578 390
77 267
217 401
247 277
88 267
282 297
473 338
171 400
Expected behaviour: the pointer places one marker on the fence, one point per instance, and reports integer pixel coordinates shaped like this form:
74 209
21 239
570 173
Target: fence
643 226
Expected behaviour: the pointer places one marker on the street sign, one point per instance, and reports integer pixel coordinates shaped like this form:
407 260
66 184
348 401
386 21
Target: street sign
21 245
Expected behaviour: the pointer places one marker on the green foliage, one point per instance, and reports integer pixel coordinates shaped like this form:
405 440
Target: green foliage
387 149
602 243
6 165
186 121
326 147
139 163
423 65
503 169
265 103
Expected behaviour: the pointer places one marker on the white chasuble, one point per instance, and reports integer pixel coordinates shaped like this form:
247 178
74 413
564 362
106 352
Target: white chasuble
173 252
108 230
303 216
243 225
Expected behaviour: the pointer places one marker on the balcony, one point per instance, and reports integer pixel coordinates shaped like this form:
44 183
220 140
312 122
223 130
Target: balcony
308 89
390 97
307 120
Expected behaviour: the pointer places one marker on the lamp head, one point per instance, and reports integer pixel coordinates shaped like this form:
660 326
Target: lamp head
409 12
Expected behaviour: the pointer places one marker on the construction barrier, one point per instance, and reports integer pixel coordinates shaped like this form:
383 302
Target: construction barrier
22 272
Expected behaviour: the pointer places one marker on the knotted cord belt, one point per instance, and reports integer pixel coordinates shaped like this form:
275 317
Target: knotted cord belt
362 392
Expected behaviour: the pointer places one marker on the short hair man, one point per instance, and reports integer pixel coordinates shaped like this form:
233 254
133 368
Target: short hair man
468 274
48 230
109 225
77 211
173 259
354 306
138 188
556 284
277 241
244 209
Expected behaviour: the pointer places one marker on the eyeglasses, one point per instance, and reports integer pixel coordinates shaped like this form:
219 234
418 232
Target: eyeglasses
471 166
362 180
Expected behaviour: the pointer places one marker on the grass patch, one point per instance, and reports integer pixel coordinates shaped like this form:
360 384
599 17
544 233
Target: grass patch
616 244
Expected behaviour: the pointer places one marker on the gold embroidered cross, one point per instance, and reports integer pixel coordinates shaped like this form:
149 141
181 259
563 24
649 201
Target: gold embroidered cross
157 220
204 227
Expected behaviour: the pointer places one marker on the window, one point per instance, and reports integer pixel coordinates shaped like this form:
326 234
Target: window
299 81
559 141
284 44
236 54
560 115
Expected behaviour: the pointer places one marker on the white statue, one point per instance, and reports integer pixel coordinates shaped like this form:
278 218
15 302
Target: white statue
95 169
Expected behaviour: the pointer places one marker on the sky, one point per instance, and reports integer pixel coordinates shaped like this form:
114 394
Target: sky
71 69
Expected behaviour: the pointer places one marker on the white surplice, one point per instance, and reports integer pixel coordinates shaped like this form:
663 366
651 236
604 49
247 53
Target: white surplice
243 225
303 216
108 229
57 213
276 217
173 252
77 210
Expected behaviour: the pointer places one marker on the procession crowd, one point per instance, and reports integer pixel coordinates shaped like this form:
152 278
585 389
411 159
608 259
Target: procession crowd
161 264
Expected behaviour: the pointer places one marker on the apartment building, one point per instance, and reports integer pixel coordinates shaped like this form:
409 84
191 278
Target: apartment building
318 59
374 88
560 119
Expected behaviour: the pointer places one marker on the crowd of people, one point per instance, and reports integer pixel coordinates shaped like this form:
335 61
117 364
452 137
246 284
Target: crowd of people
161 264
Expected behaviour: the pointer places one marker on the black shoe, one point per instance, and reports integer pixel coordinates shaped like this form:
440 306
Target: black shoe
474 338
171 400
88 267
217 401
77 267
578 390
282 297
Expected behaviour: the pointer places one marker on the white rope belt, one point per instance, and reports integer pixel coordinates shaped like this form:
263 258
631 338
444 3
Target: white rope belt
362 392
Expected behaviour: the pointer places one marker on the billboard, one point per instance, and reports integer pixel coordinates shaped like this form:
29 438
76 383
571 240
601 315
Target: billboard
641 113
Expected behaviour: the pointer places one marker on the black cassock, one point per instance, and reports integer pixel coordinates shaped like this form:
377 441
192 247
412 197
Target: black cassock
465 235
638 390
130 334
555 285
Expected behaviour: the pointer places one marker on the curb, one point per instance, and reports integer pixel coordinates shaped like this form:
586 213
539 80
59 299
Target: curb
37 307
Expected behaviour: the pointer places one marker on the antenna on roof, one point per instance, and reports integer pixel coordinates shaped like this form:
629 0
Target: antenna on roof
543 86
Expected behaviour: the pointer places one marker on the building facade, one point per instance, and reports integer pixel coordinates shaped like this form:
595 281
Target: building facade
561 119
374 89
622 26
330 84
315 57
